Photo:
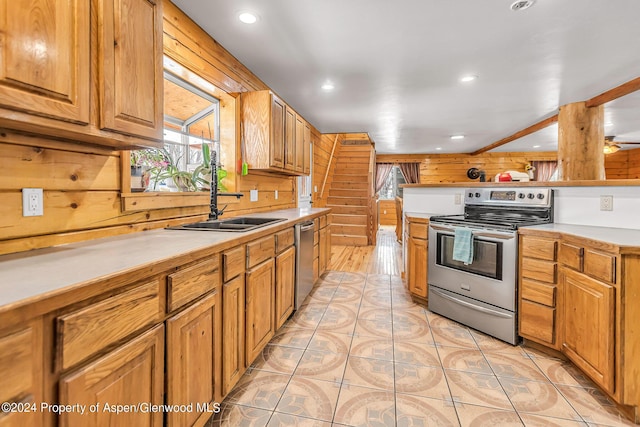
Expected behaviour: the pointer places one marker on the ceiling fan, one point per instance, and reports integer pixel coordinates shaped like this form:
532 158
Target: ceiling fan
611 147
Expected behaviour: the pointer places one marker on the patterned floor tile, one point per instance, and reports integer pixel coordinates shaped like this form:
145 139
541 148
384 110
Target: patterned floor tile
536 397
322 365
414 411
330 342
481 416
561 372
351 277
593 406
418 380
491 345
416 353
287 420
347 294
514 366
373 373
372 348
464 359
239 416
293 337
361 406
275 358
309 398
373 328
378 280
453 337
437 321
409 327
259 389
339 318
477 389
540 421
375 313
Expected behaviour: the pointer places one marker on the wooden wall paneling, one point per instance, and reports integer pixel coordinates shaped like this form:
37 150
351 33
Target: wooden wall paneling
616 165
634 164
387 212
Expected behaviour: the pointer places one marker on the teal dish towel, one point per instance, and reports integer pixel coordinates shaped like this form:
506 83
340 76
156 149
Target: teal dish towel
463 245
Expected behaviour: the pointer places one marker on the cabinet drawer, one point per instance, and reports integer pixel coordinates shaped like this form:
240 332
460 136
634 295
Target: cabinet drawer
571 256
540 248
543 271
323 221
260 250
600 266
537 322
188 284
284 239
233 262
538 292
85 332
16 364
418 230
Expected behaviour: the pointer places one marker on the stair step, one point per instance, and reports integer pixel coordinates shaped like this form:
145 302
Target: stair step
351 192
349 229
350 201
356 185
340 177
348 240
348 219
347 210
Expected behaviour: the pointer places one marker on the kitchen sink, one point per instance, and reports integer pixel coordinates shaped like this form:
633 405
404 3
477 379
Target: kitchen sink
239 224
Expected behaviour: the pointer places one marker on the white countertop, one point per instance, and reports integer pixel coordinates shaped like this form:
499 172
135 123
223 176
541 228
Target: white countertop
45 272
623 237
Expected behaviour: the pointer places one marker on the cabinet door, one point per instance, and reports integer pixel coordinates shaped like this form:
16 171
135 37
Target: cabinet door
299 146
130 67
131 375
322 246
277 132
194 354
44 58
233 333
589 316
290 140
417 268
306 150
259 308
285 285
21 375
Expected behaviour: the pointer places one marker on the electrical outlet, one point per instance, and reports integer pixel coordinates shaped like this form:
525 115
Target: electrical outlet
253 195
606 203
32 202
315 188
275 194
458 199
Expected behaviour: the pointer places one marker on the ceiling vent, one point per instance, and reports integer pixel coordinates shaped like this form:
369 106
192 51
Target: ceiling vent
355 142
522 5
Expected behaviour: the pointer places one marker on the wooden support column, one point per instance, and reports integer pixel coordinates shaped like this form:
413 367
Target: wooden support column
580 142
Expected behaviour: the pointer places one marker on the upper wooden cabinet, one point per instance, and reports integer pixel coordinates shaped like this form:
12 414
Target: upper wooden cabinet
274 135
56 80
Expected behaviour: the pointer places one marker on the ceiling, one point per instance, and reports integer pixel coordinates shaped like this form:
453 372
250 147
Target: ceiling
396 66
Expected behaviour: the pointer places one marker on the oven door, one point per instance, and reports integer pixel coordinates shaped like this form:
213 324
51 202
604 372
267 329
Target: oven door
490 278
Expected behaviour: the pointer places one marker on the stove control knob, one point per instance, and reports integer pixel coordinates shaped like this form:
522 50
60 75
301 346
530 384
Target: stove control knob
477 194
471 195
540 196
521 195
531 195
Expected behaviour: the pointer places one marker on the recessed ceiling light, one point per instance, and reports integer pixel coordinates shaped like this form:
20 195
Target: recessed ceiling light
248 17
328 86
438 148
469 78
457 137
536 146
522 5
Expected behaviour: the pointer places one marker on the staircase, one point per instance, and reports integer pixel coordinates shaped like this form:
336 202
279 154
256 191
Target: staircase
349 196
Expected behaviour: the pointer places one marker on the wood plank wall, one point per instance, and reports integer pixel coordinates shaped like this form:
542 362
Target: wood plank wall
387 212
322 149
624 164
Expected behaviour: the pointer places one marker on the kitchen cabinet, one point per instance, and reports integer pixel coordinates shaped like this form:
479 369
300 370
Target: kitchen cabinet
233 317
132 374
272 133
417 252
67 84
21 375
324 245
306 149
194 359
285 276
538 289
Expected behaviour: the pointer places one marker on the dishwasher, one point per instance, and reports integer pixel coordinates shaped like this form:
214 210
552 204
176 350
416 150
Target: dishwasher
304 261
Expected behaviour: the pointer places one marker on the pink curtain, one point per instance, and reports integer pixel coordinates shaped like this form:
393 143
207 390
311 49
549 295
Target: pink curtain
382 172
544 169
411 172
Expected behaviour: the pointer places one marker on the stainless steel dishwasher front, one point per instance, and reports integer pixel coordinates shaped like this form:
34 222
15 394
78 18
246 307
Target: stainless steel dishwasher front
304 261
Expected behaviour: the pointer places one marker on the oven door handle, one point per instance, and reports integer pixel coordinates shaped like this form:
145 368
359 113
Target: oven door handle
469 305
476 233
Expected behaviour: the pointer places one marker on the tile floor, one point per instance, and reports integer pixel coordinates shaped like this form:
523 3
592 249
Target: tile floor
361 353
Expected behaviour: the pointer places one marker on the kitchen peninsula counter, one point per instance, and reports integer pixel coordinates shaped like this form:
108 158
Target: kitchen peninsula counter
627 240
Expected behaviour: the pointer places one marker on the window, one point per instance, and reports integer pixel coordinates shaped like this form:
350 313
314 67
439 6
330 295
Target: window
390 190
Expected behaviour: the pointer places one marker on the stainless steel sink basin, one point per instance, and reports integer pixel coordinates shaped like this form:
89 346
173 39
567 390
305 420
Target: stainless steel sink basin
239 224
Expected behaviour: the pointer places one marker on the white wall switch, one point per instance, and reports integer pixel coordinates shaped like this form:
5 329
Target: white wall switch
315 188
32 202
606 203
275 194
253 195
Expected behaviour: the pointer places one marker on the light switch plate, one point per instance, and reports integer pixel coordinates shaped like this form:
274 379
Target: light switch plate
275 194
253 195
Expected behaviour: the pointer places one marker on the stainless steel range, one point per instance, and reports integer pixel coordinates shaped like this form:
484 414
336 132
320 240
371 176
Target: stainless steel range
482 293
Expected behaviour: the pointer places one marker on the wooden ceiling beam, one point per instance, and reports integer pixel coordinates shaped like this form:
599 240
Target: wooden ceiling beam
615 93
524 132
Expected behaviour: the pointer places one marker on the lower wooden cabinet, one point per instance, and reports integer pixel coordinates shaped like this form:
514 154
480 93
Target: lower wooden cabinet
417 257
132 375
589 326
194 360
21 375
285 285
233 366
259 306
